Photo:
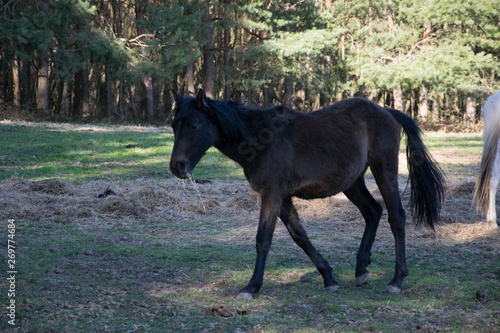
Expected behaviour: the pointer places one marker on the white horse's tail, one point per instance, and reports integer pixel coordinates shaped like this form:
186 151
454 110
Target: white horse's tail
491 135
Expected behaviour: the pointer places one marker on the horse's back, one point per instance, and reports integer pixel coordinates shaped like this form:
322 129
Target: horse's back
357 121
491 114
332 147
492 106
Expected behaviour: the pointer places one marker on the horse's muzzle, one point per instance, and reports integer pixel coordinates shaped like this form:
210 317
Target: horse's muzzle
180 169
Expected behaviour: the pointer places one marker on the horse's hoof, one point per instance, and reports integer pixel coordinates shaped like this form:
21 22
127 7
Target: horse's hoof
332 289
245 295
361 280
493 224
392 289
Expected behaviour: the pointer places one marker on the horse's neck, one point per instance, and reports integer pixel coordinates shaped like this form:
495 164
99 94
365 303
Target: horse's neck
245 148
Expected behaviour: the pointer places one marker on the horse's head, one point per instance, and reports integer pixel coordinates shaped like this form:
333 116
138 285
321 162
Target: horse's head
194 132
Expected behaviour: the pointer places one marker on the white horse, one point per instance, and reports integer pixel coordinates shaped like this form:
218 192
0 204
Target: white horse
489 172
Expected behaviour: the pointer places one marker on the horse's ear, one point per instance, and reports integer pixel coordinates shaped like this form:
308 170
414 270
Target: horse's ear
201 100
177 98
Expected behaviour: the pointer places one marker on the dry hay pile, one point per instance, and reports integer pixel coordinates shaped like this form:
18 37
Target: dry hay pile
148 200
144 199
460 220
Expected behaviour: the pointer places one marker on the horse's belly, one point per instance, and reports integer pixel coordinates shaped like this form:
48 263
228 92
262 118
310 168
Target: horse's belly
321 189
340 177
313 193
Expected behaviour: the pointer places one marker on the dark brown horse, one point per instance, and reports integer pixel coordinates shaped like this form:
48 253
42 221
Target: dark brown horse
287 154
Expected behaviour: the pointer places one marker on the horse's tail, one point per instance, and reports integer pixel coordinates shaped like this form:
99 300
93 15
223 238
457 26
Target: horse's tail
426 177
491 135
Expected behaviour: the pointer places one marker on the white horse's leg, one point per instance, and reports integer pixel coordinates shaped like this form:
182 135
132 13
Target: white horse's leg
491 215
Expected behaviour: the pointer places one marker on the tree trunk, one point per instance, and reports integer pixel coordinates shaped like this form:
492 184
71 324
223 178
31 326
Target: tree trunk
324 97
265 94
435 110
85 92
28 76
342 47
167 101
42 95
227 54
70 97
324 100
81 107
470 111
109 92
4 80
299 100
370 10
147 81
288 93
265 89
77 100
398 98
412 107
423 108
148 86
65 99
208 57
17 87
131 92
189 78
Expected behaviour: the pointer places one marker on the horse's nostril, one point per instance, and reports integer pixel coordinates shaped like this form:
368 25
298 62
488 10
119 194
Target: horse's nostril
182 168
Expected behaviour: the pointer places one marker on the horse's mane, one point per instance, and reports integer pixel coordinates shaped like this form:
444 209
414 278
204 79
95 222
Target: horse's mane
229 116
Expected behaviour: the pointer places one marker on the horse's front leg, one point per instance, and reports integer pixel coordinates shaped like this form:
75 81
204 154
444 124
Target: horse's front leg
269 210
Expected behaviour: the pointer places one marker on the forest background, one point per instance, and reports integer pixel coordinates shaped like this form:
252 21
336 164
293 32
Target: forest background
119 60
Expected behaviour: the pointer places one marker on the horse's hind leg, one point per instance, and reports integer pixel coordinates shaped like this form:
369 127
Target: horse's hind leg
491 215
386 176
371 211
290 218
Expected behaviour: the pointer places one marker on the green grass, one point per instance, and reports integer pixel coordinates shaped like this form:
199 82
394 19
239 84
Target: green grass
129 278
465 142
42 152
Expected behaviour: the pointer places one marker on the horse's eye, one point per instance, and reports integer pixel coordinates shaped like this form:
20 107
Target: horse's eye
195 125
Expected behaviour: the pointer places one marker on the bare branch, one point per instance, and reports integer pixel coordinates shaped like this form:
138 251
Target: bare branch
414 46
382 59
257 35
135 39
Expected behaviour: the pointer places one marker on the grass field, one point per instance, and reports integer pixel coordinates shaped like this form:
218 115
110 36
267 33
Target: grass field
83 153
167 256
